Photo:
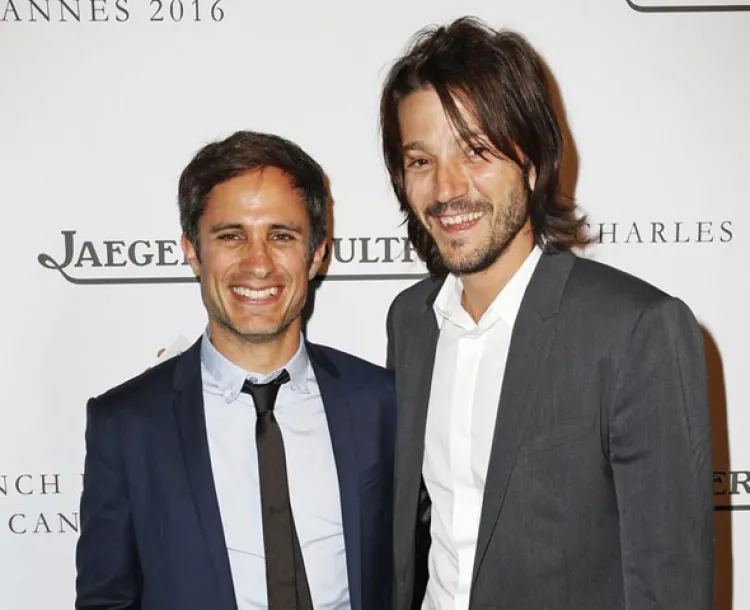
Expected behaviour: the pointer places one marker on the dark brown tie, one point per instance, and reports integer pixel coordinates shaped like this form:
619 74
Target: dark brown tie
285 569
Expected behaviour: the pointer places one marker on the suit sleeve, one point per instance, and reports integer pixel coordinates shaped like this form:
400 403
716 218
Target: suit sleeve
659 441
108 576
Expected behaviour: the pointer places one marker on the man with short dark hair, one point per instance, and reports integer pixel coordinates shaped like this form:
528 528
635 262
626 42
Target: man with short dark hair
553 445
255 469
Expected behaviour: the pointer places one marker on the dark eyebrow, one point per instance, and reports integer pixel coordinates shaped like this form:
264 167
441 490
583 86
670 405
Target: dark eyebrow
414 146
235 226
476 135
225 226
286 227
471 137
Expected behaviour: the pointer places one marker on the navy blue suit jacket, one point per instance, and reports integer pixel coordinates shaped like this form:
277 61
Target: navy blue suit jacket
151 535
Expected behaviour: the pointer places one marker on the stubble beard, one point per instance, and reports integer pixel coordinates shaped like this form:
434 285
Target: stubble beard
223 319
506 225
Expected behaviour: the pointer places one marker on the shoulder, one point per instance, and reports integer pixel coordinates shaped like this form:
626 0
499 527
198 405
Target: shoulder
348 365
599 292
140 390
603 285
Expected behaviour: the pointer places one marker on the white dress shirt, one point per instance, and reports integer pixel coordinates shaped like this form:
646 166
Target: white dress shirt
466 381
313 482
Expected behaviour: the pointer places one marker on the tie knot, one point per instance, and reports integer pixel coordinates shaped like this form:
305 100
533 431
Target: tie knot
264 394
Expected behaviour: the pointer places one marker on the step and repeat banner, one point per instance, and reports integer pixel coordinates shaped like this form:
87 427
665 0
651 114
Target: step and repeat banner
104 102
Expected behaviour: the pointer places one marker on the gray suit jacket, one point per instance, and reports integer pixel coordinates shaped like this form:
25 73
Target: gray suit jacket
599 489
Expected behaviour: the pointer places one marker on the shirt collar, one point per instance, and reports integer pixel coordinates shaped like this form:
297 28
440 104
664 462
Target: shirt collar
447 306
227 378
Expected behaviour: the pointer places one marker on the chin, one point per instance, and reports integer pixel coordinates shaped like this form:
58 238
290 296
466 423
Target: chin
247 329
261 335
460 256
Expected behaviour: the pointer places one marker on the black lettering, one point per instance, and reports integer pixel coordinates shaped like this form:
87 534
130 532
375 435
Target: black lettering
114 247
165 246
18 485
737 481
88 254
725 226
12 523
41 522
409 250
634 231
55 485
587 235
11 7
217 13
678 225
123 14
657 228
365 241
4 484
50 263
337 250
76 14
63 520
590 237
33 5
612 232
176 14
719 479
133 255
387 258
95 10
159 6
703 230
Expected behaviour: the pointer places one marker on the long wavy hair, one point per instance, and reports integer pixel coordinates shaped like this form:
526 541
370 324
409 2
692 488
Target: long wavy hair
501 79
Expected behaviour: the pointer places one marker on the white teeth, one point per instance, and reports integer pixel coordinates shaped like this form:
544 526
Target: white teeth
256 295
447 221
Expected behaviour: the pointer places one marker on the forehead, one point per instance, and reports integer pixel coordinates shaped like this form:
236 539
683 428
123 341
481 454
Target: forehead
267 189
421 115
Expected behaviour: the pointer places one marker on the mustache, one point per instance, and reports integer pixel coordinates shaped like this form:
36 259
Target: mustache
463 205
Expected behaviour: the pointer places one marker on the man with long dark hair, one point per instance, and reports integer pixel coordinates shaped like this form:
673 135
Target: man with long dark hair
553 445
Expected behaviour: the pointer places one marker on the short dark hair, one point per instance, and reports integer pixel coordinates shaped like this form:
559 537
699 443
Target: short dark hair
246 151
503 80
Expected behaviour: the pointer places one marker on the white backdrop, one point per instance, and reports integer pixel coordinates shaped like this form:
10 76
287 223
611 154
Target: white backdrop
102 105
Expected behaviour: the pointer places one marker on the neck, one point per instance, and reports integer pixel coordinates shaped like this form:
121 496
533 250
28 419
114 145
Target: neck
264 356
481 289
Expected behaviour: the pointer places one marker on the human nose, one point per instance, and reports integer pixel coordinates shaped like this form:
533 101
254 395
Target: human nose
450 181
257 259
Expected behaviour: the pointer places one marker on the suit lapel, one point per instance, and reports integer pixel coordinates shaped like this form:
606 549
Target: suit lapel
413 385
338 413
533 335
191 423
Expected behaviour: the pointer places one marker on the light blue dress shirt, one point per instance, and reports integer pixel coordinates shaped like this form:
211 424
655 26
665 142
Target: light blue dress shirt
313 483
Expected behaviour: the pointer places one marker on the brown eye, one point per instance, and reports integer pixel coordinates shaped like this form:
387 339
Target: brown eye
478 151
